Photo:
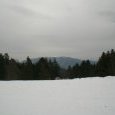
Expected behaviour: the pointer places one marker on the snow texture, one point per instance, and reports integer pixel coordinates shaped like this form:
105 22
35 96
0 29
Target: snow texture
88 96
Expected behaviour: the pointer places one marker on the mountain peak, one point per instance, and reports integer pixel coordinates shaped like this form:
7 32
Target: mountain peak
63 61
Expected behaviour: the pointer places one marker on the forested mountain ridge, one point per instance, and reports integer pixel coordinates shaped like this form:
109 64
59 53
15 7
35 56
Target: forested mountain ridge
64 62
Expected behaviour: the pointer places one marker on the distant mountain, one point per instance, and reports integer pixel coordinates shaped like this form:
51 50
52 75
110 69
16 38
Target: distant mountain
64 62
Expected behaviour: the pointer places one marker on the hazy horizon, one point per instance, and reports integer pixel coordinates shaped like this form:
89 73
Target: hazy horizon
53 28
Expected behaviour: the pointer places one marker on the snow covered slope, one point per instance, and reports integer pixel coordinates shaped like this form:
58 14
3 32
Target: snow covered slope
88 96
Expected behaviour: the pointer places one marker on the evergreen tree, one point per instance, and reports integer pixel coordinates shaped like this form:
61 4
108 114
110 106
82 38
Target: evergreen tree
27 70
112 62
6 58
106 64
69 72
54 69
2 68
12 71
76 71
43 70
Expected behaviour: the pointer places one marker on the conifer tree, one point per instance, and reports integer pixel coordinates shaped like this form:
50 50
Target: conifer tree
43 70
2 68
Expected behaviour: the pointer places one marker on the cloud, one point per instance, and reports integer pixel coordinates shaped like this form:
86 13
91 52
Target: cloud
81 28
26 11
108 14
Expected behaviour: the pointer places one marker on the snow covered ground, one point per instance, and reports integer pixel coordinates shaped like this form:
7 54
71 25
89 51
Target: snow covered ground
88 96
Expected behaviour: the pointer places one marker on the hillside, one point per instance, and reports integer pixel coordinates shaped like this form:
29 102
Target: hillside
64 62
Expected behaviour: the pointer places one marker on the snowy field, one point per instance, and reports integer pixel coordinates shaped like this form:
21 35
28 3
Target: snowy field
88 96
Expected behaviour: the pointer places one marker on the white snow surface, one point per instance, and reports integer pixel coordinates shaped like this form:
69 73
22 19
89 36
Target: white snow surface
87 96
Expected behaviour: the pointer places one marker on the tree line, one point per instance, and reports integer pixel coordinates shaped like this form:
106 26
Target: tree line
46 69
12 70
105 66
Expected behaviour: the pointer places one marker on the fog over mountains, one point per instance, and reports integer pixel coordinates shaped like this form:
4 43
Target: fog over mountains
64 62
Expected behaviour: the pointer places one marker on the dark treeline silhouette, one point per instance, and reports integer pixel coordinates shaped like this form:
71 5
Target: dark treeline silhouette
104 67
46 69
43 70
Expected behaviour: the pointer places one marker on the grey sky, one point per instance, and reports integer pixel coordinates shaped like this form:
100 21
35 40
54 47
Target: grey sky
74 28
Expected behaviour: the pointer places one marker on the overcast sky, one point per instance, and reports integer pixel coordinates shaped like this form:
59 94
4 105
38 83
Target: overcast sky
73 28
